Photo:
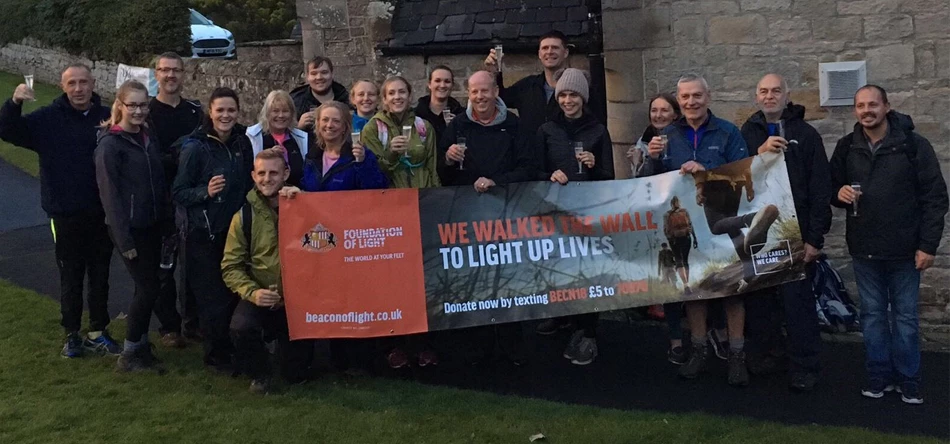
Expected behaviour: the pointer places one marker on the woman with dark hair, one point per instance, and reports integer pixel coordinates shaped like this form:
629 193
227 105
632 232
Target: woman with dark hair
214 176
663 111
439 108
132 188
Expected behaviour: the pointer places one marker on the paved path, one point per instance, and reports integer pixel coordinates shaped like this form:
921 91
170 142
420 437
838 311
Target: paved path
631 372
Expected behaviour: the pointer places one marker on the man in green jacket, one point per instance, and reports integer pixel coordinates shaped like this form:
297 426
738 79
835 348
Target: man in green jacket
251 268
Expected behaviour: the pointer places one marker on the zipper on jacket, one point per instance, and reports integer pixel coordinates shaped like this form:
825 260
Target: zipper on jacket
132 209
208 223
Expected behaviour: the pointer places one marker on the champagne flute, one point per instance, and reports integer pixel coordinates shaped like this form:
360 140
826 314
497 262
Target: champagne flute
499 53
578 149
447 116
28 80
274 288
461 144
856 186
665 140
219 198
407 133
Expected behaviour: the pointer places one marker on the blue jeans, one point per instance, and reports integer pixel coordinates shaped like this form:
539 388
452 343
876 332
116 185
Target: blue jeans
891 340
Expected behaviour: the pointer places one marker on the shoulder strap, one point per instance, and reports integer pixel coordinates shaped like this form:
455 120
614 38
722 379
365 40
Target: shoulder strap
911 150
246 220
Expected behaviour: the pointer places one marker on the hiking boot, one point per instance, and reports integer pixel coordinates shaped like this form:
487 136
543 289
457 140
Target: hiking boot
696 363
103 345
910 393
738 372
586 351
876 388
397 359
72 348
428 357
260 387
803 381
140 360
173 340
759 228
191 333
676 355
551 326
719 345
570 352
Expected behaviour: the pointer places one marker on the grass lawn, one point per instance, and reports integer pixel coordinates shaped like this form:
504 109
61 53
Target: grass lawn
49 399
25 160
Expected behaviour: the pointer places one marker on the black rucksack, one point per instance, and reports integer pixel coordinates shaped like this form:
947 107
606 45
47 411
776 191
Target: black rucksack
836 311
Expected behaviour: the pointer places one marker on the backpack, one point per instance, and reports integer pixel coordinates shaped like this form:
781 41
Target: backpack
679 223
836 311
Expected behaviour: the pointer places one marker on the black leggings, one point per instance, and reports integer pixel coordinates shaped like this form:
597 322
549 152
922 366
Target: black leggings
144 272
681 246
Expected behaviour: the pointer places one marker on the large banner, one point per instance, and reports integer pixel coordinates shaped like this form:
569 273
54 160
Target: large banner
395 262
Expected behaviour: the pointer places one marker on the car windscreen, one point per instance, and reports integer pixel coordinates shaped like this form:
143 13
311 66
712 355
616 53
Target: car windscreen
198 19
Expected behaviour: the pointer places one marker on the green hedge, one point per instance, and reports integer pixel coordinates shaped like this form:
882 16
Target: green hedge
127 31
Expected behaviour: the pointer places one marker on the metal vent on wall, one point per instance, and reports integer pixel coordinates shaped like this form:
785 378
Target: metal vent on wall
838 81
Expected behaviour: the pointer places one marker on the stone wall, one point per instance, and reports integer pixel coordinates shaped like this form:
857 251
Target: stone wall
906 44
251 80
270 51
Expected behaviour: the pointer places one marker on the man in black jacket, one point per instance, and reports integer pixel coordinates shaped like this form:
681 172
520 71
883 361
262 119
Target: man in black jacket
780 126
533 96
496 154
173 117
320 88
63 134
894 225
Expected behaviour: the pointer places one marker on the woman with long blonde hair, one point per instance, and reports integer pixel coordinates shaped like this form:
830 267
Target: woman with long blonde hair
132 189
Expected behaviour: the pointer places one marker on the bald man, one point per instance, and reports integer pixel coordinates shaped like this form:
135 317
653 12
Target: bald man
780 126
63 134
495 154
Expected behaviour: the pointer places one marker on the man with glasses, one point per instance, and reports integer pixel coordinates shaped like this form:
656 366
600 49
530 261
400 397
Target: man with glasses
63 134
172 118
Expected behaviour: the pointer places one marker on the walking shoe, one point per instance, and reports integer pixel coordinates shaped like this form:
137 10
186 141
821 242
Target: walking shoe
191 333
173 340
570 352
738 372
876 388
103 345
72 348
428 357
719 345
397 358
260 386
758 232
586 351
676 355
696 362
803 381
551 326
140 360
910 393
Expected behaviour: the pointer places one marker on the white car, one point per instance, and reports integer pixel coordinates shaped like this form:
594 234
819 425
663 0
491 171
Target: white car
208 39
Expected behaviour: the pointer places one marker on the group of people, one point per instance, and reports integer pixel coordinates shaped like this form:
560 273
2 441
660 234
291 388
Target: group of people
166 180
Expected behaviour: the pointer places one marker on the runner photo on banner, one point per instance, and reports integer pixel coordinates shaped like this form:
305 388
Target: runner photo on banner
408 261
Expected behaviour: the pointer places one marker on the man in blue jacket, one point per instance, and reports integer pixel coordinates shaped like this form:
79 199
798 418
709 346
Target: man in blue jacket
697 142
894 226
63 134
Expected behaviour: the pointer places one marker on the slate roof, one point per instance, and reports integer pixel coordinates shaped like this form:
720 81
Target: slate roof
437 22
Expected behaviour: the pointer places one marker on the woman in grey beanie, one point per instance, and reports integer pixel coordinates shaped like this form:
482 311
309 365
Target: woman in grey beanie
574 146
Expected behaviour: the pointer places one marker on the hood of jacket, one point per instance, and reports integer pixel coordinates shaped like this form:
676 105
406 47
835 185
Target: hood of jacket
339 93
791 112
898 125
573 125
62 102
391 120
203 133
499 118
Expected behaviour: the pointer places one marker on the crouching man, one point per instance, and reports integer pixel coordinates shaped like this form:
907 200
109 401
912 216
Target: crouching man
251 268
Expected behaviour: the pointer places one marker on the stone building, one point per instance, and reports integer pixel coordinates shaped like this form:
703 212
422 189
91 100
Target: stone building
648 44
